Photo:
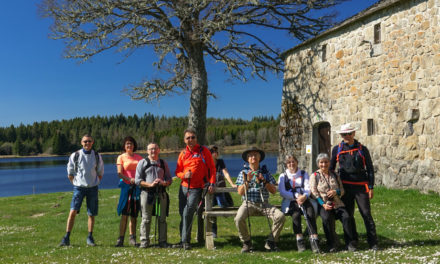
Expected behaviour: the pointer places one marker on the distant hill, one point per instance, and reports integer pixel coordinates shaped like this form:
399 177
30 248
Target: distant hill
61 137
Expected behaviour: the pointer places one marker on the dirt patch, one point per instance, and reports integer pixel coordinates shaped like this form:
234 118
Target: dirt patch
37 215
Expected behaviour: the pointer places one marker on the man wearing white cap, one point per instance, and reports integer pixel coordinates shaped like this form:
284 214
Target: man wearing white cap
357 175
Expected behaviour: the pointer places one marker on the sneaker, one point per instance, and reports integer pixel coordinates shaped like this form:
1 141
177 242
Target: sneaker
246 247
65 242
332 249
314 244
186 246
90 241
271 246
144 244
374 247
132 241
301 244
164 245
120 242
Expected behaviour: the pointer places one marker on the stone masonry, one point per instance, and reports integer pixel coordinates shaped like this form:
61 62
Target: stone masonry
387 84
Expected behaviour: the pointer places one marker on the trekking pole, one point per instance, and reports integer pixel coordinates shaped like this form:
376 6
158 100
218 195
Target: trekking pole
247 206
155 221
267 214
204 192
189 183
309 226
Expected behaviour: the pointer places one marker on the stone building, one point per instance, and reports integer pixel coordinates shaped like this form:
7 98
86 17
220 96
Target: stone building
379 70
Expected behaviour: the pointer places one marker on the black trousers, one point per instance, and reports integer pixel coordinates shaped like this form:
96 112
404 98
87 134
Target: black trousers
296 213
328 223
358 193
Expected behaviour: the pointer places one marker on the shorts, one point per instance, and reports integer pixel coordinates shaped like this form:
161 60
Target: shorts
91 195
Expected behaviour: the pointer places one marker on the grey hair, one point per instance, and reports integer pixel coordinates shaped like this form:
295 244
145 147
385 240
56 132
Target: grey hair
322 156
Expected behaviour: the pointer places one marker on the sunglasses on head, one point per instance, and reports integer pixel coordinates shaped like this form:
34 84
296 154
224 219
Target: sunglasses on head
346 134
190 137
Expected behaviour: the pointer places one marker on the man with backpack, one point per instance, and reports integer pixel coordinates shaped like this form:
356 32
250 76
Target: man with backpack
254 185
357 175
84 170
153 176
195 167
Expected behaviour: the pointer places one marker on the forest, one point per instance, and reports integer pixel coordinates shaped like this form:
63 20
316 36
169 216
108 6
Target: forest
62 137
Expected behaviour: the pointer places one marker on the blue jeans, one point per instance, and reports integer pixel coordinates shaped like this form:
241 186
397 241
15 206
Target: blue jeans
187 207
91 195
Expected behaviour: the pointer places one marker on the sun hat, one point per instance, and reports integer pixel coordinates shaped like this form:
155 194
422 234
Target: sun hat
346 128
253 149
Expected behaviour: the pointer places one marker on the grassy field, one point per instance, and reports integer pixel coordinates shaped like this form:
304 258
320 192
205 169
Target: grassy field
31 227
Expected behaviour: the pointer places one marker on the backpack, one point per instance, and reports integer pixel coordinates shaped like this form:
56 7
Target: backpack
289 187
76 158
200 153
204 162
318 175
149 164
350 163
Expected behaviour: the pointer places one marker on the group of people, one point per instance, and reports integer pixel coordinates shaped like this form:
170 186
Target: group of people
330 192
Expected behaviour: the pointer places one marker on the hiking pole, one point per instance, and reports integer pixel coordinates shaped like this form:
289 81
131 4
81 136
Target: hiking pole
247 205
204 192
189 183
309 226
267 214
156 209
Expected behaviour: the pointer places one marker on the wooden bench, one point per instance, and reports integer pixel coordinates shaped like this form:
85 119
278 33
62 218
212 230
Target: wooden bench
211 212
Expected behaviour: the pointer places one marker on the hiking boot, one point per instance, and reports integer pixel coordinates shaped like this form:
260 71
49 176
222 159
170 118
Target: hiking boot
164 244
271 246
144 244
246 247
186 246
91 241
301 244
132 241
351 247
120 242
65 242
178 245
314 244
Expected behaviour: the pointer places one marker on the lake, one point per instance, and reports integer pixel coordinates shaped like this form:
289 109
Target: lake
23 176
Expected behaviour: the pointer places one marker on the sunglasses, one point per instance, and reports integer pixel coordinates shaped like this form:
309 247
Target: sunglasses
191 137
346 134
87 141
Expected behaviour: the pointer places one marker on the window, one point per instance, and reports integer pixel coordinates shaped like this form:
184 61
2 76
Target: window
377 34
324 53
370 127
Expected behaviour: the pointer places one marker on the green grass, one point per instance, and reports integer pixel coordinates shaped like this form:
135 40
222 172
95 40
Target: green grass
31 228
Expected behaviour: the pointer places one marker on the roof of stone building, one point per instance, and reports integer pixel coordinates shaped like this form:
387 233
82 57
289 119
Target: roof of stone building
380 5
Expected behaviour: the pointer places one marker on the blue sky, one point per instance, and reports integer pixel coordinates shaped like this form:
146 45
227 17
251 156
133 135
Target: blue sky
38 84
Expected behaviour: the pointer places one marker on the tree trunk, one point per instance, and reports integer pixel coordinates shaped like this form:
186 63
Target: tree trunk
199 93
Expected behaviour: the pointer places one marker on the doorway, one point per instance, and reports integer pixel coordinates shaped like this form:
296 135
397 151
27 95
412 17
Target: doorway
320 141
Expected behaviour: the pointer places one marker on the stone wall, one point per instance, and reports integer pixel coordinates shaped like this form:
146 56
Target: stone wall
396 83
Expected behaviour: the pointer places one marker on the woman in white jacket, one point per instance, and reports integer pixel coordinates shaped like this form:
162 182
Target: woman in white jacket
294 187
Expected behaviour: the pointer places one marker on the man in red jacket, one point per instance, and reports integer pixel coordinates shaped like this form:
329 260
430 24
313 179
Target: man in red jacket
195 167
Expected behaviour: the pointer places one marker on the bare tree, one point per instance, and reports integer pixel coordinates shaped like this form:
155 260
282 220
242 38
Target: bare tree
184 33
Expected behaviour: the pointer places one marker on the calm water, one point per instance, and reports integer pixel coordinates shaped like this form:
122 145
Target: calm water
22 176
